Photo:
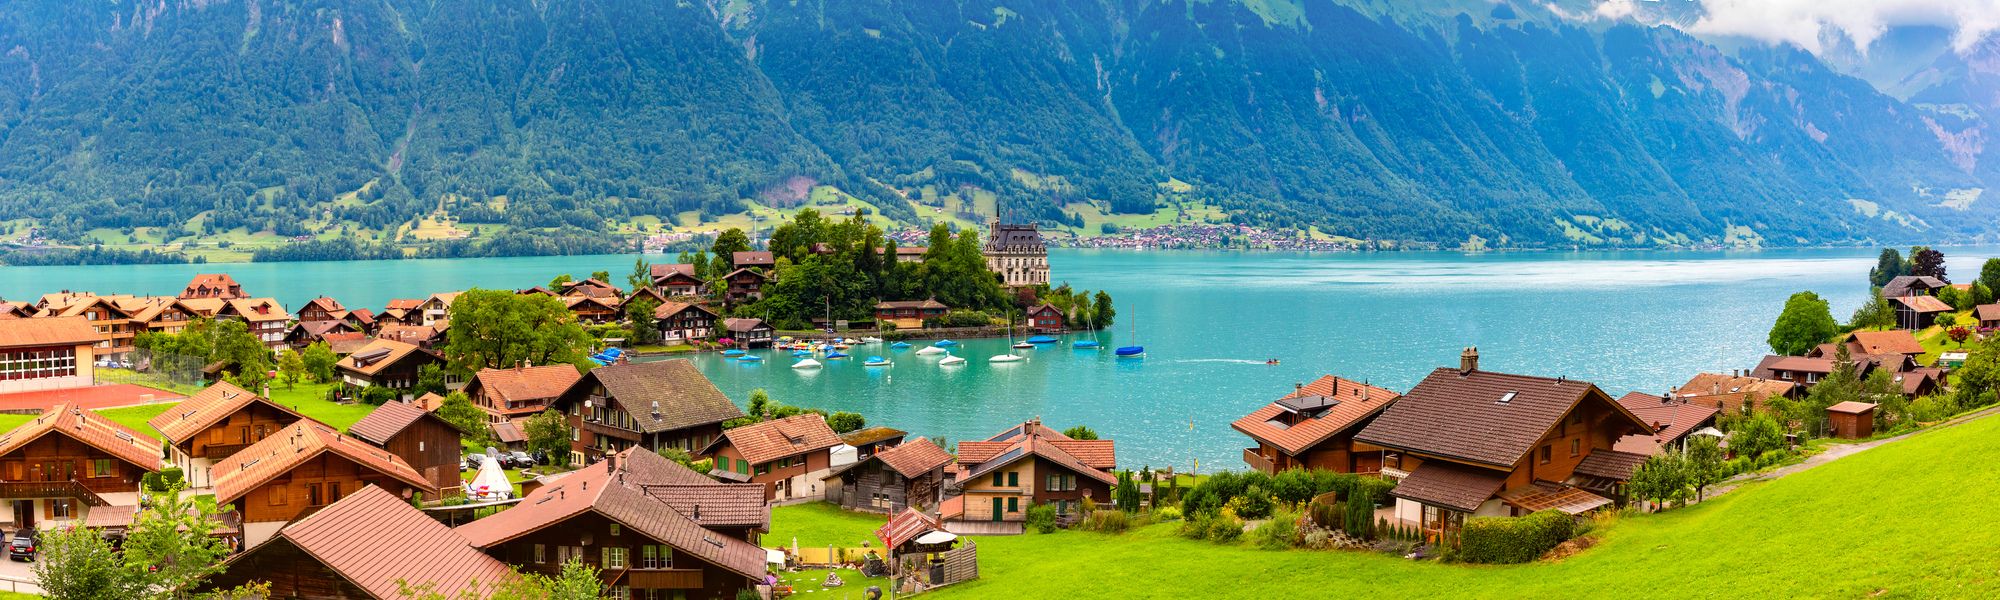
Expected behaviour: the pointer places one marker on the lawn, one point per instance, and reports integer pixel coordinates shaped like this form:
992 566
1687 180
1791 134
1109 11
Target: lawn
310 400
819 524
1910 519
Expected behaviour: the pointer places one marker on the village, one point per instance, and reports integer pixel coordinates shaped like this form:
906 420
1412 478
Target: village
431 446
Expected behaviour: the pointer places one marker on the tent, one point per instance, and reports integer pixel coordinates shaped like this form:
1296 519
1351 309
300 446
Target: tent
490 484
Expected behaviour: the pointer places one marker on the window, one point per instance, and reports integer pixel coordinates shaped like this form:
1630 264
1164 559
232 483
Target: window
614 557
100 467
61 508
312 494
614 530
1013 505
1575 448
420 445
1547 454
742 466
576 435
764 469
999 480
1013 479
277 496
332 492
541 554
656 557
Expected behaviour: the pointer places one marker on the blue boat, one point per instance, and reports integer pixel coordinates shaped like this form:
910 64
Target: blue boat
945 343
751 359
1041 339
1131 351
876 361
1085 344
801 353
900 345
835 354
732 352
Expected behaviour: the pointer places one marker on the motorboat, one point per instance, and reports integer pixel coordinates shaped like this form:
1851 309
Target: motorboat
876 361
751 359
800 354
1131 351
871 340
1006 358
949 360
807 363
1041 339
1023 345
732 353
944 343
930 350
836 355
900 345
1085 344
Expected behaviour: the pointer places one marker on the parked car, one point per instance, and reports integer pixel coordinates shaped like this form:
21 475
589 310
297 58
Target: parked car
541 457
522 460
464 464
22 547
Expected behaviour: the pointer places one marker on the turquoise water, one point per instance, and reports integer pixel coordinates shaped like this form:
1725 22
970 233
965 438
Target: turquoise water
1626 321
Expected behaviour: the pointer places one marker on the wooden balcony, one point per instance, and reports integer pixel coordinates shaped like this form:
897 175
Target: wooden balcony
1257 461
664 579
600 428
13 490
221 451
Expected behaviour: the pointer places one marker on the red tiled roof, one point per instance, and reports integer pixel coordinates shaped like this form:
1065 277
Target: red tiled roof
1708 384
324 303
378 542
671 308
257 309
527 383
914 458
1851 407
764 442
1483 417
396 351
1450 485
405 304
49 331
1670 420
662 271
1032 439
712 504
90 428
1924 304
1353 402
1894 341
208 407
904 527
296 444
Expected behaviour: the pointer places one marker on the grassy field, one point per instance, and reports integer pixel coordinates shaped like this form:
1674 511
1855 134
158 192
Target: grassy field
818 524
310 400
1910 519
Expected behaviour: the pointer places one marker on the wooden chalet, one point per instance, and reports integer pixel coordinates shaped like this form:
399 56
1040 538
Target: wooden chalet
47 353
652 528
1313 427
215 423
322 309
219 286
654 405
386 363
1873 343
789 457
424 440
265 317
519 392
204 307
593 288
302 469
753 260
1988 316
869 440
1904 286
749 333
594 310
114 335
909 314
744 285
652 294
1673 421
1735 391
676 280
433 310
901 477
422 336
1026 465
1466 442
60 465
681 322
306 333
404 311
1918 312
1045 318
370 544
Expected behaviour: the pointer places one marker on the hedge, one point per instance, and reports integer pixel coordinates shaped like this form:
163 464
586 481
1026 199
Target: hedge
1508 540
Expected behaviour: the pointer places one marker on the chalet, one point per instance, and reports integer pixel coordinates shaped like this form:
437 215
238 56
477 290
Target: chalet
652 528
387 363
681 322
1912 285
1045 318
1872 343
788 456
425 441
1027 465
215 423
422 336
593 310
1851 420
405 311
433 310
910 254
1988 315
16 310
538 291
370 544
219 286
591 288
1673 422
902 477
1466 442
1734 392
753 260
676 280
111 324
744 285
1313 427
204 307
650 294
46 354
519 392
869 440
322 309
1801 371
301 469
1017 253
343 344
749 333
306 333
909 314
361 319
655 405
154 314
62 464
265 317
1918 312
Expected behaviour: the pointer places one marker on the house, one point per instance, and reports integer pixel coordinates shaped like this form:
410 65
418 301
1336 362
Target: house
788 456
594 310
652 528
661 404
404 311
422 336
521 391
303 468
47 353
744 285
676 280
370 544
1894 341
1313 427
1851 420
432 310
753 260
509 435
153 314
1673 421
344 344
361 319
681 322
593 288
1045 318
16 310
204 307
1918 312
215 423
1911 285
1801 371
305 333
649 294
1017 253
909 314
424 440
869 440
901 477
910 254
265 317
322 309
1734 391
749 333
1027 465
384 362
114 336
66 462
1466 442
1988 315
218 286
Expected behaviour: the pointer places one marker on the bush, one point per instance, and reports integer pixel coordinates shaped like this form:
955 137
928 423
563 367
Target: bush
1253 503
1278 533
162 480
1042 518
1225 528
1106 521
1511 540
376 395
1166 513
1359 517
1326 514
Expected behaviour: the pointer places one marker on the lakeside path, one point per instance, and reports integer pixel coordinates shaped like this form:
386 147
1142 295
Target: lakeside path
1838 451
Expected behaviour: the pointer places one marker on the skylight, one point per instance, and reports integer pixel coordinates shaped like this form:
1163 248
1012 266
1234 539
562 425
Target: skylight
1507 397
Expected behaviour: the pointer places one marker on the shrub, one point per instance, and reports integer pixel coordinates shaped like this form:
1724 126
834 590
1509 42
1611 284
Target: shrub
1254 503
162 480
1042 518
1278 533
376 395
1166 513
1509 540
1325 514
1106 521
1225 528
1359 518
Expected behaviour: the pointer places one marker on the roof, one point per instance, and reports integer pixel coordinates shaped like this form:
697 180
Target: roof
527 383
926 303
206 408
343 344
1894 341
620 494
746 271
771 440
1851 407
1090 458
743 325
324 303
350 537
258 309
50 331
713 504
375 356
319 329
506 432
111 517
683 396
671 308
905 526
387 420
1924 304
1548 496
296 444
1005 235
1450 485
1987 312
870 435
1610 464
1669 420
1910 285
1482 417
1325 407
404 304
914 458
1708 384
664 271
90 428
218 281
754 258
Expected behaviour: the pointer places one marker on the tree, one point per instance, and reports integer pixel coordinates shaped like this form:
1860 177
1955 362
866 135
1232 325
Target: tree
641 277
497 328
1806 322
1126 495
1704 463
604 276
576 581
1102 315
725 247
430 380
1663 478
1981 293
1889 265
557 283
460 412
171 544
1946 320
1958 335
1989 274
291 367
639 313
1080 432
760 403
319 361
77 564
1875 313
843 422
1927 262
376 395
1980 374
548 432
1757 436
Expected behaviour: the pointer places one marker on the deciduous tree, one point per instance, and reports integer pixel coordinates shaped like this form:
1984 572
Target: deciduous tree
319 361
460 412
548 432
1704 463
1080 432
497 328
1889 265
291 367
1928 262
1806 322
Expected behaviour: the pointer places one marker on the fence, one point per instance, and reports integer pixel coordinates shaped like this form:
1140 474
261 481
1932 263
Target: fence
831 556
177 372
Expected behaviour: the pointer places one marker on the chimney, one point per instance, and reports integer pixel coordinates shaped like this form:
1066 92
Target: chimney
697 512
1468 361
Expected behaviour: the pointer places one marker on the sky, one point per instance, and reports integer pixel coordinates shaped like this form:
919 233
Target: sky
1813 24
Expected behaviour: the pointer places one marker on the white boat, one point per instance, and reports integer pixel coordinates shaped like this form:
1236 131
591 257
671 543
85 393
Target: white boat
1007 358
951 360
806 363
930 350
1010 356
871 340
1024 345
880 362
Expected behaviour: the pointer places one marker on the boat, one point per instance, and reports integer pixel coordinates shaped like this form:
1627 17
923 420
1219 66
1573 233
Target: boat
1006 358
732 353
1130 351
1023 345
929 350
900 345
1010 356
951 360
876 361
1085 344
1042 339
800 353
806 363
1272 362
840 346
836 355
871 340
850 341
944 343
751 359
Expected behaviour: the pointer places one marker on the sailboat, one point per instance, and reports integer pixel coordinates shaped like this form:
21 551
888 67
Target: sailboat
1010 356
930 350
876 361
899 345
1135 350
950 360
1089 344
806 363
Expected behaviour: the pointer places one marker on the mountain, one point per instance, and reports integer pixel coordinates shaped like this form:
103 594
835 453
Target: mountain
1441 122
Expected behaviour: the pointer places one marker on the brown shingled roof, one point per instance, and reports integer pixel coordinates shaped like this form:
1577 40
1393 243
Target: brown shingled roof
1090 458
292 446
387 420
685 398
1482 417
1670 420
754 258
671 308
394 351
1454 486
1893 341
1610 464
714 504
1924 304
90 428
914 458
376 541
48 331
528 383
764 442
904 527
206 408
1350 402
870 435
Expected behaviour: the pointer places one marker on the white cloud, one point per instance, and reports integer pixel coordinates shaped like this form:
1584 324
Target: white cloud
1811 23
1616 9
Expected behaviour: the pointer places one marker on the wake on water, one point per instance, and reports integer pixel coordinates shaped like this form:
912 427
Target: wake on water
1233 361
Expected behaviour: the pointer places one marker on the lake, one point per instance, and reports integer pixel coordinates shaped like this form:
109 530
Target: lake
1624 320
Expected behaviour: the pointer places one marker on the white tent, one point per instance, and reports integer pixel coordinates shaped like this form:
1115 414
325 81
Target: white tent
490 484
843 455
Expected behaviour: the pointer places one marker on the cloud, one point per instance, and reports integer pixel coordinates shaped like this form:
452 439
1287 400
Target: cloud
1616 9
1810 24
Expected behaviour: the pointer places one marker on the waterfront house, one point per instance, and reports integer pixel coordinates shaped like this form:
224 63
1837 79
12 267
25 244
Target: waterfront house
904 476
1904 286
520 391
305 333
744 285
217 286
1467 442
47 353
1673 420
681 322
424 440
370 544
788 456
1918 312
114 337
1026 465
1017 253
869 440
1872 343
1313 427
1851 420
654 405
154 314
435 309
322 309
650 294
594 310
749 333
676 280
1045 318
59 466
1734 391
215 423
753 260
652 528
1801 371
909 314
301 469
384 362
1988 315
402 311
593 288
265 318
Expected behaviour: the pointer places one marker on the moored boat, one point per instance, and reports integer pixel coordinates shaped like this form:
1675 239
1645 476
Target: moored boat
876 361
1042 339
900 345
1085 345
929 350
806 363
944 343
751 359
951 360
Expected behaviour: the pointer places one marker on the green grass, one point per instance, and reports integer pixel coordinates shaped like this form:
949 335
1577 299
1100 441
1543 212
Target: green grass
818 524
135 417
310 400
1909 519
